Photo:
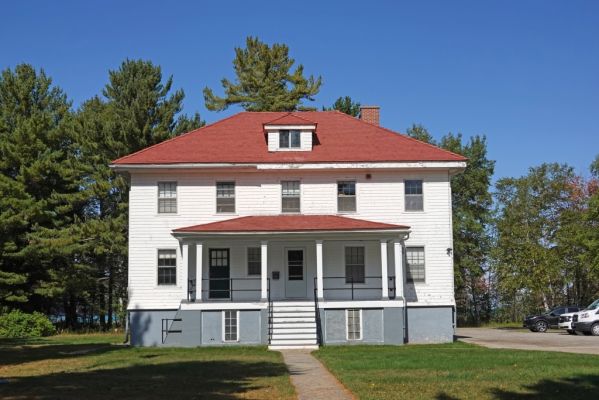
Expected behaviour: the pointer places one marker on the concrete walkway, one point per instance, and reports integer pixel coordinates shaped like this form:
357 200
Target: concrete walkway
311 379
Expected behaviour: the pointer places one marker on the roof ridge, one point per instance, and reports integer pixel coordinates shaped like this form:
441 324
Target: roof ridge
174 138
402 135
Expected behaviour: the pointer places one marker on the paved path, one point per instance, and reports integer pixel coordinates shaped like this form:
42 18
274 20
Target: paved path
311 379
552 340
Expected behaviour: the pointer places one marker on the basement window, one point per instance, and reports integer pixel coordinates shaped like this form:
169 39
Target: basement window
354 324
289 139
230 325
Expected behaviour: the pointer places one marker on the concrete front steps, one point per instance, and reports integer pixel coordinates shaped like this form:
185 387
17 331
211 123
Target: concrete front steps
293 325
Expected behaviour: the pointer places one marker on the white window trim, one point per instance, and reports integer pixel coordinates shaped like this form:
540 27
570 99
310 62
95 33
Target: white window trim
355 180
247 270
356 244
301 195
216 212
347 328
423 195
224 329
406 247
158 213
177 269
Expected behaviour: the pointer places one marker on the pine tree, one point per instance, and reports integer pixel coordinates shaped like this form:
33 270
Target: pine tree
264 81
345 105
40 191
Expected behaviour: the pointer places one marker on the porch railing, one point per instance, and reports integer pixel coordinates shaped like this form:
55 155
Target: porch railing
343 287
227 289
317 315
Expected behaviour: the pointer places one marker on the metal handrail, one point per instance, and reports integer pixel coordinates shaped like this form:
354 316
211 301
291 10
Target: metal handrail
317 314
352 285
166 327
231 290
270 312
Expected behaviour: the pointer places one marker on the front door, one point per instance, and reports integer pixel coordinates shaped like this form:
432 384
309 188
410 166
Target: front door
295 284
220 274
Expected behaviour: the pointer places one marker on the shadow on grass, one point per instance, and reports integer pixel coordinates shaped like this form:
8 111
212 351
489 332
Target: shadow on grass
18 351
220 380
578 387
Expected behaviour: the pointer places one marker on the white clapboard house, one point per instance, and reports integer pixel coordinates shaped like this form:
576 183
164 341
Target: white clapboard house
292 230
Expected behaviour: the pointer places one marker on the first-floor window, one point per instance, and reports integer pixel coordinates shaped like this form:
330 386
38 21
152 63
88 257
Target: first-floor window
354 324
167 267
254 261
415 264
231 325
354 265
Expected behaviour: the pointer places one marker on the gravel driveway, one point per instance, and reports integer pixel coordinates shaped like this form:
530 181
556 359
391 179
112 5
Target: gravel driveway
552 340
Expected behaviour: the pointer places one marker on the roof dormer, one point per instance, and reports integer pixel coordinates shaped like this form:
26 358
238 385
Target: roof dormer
290 133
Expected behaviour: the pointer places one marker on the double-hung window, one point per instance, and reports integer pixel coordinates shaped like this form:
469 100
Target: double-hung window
354 324
346 196
289 139
254 257
354 265
225 197
167 267
415 264
230 325
414 198
167 197
290 202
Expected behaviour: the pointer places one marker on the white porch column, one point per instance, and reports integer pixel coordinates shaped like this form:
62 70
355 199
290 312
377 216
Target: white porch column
398 254
384 274
319 273
185 269
264 270
199 273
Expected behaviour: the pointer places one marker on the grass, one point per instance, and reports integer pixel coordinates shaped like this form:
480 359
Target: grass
97 366
461 371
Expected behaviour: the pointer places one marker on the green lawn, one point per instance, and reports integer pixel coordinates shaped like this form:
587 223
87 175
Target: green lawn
461 371
88 367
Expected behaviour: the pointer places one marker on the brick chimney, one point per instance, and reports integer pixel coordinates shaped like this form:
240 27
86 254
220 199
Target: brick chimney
370 114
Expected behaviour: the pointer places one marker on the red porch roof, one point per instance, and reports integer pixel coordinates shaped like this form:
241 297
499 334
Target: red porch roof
290 223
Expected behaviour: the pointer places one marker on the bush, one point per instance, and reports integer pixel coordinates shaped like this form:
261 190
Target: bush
18 324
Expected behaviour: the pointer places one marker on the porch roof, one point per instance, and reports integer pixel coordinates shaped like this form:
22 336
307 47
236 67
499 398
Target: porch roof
291 223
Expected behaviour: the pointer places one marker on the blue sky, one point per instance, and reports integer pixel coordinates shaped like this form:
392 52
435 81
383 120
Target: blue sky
524 73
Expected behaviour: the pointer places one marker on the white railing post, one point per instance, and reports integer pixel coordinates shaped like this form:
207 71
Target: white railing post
384 270
199 261
264 270
319 272
399 279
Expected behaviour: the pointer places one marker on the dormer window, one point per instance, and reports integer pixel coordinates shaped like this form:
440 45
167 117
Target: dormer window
289 139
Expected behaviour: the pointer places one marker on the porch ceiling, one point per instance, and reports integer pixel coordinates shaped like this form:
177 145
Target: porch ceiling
290 225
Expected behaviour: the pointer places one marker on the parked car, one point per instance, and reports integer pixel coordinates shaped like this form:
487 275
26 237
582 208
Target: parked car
587 321
565 322
542 322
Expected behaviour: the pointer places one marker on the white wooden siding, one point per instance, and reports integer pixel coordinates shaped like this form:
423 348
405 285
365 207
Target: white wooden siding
379 198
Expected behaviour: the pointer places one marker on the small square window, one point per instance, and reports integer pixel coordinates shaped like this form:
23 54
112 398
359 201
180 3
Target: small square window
254 255
289 139
414 198
167 197
167 267
354 324
230 325
225 197
346 196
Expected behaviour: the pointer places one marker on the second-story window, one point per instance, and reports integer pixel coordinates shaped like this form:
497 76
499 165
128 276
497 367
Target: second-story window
225 197
290 191
167 197
414 198
289 139
346 196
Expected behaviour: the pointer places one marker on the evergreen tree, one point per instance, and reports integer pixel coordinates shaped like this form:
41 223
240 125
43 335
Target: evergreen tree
345 105
137 111
40 192
264 81
419 132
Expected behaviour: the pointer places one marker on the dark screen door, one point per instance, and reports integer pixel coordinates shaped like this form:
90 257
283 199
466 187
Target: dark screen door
220 272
